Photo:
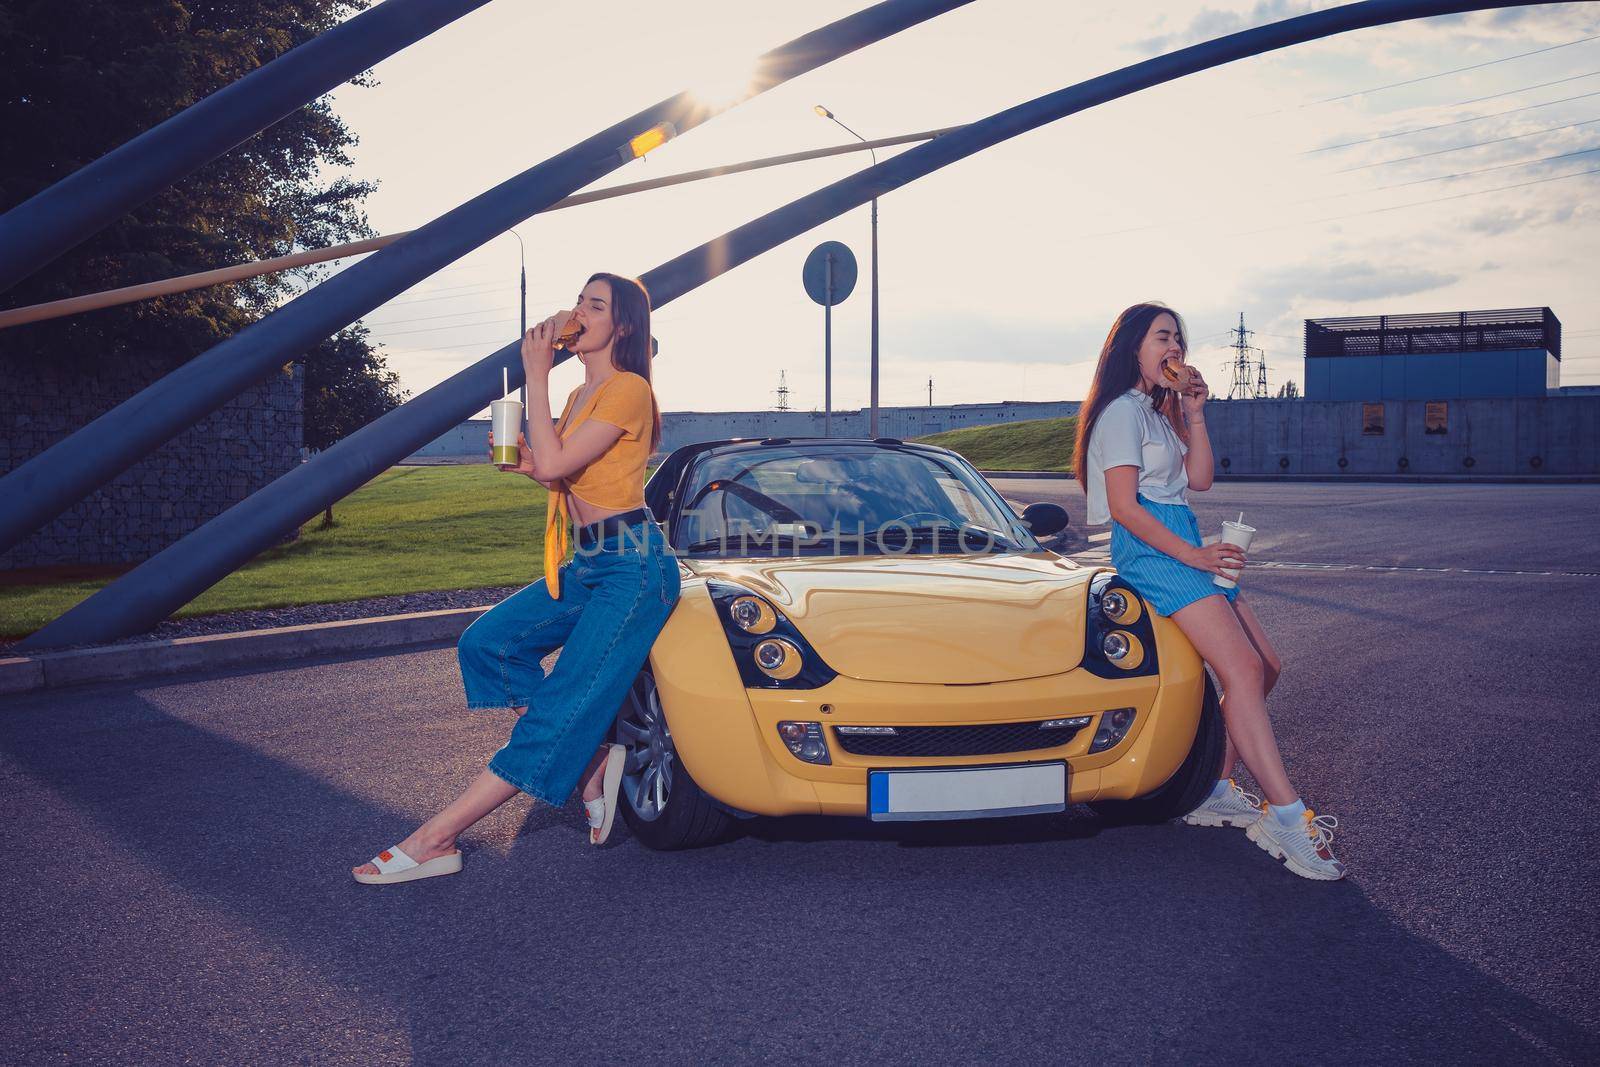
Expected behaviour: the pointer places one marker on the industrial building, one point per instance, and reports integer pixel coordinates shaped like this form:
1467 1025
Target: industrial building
1458 355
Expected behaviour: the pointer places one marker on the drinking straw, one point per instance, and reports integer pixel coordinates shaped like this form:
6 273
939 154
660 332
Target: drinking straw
505 386
1241 518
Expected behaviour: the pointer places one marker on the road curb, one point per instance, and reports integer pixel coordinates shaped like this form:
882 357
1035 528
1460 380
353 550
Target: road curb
183 655
1359 479
1025 474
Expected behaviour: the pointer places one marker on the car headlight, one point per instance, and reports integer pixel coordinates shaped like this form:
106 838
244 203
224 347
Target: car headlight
1121 606
1114 726
769 651
753 615
805 740
1123 649
778 658
1119 639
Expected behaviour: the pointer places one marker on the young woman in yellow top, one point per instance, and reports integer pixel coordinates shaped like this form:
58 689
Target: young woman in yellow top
603 608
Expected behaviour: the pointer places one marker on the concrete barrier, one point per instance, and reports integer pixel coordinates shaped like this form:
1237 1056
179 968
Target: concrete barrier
1503 437
282 644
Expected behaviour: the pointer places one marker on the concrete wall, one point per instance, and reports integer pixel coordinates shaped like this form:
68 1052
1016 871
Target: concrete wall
680 428
1502 436
251 440
1530 372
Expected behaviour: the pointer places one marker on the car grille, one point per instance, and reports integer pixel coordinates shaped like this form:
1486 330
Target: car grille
987 740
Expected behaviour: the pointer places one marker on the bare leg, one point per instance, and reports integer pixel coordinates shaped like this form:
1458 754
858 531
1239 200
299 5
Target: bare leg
1271 669
488 791
1218 635
437 836
594 778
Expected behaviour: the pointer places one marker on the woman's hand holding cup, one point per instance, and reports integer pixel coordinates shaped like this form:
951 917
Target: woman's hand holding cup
1219 558
524 456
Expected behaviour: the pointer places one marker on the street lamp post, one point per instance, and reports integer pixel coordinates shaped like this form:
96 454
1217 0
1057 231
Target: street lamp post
873 415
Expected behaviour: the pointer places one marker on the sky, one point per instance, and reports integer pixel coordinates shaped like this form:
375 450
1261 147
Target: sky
1300 184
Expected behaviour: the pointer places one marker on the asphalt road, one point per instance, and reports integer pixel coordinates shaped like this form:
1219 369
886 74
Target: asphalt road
176 884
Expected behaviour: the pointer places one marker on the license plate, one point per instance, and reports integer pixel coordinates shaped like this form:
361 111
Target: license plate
966 792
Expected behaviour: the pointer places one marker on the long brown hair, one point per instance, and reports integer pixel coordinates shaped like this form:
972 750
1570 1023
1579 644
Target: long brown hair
631 344
1118 371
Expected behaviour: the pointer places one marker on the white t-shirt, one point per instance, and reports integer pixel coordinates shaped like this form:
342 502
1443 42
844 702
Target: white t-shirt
1131 432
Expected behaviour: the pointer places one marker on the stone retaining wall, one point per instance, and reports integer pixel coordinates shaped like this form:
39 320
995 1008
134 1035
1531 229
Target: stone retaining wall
228 455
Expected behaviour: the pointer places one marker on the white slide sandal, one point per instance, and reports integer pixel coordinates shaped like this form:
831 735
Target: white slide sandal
395 866
602 812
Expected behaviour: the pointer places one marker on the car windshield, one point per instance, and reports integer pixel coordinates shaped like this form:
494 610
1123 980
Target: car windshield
824 499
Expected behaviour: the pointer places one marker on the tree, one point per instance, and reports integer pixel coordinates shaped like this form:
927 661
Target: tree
1289 390
348 384
80 77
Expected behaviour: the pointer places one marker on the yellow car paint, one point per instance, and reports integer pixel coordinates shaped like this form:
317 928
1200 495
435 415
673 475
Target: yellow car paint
919 618
917 640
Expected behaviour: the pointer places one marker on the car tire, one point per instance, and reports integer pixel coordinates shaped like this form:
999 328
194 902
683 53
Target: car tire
1189 785
664 806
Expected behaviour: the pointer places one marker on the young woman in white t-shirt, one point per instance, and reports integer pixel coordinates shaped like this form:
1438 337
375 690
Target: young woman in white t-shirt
1141 447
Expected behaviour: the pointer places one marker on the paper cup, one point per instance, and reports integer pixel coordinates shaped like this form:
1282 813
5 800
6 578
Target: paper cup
506 419
1234 533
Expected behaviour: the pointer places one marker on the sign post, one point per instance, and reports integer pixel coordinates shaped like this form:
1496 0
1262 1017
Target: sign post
829 277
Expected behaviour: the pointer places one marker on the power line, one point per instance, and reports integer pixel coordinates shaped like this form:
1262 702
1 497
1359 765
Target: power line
430 318
453 326
433 299
1418 203
1447 73
1447 177
1443 125
1524 89
453 348
1463 148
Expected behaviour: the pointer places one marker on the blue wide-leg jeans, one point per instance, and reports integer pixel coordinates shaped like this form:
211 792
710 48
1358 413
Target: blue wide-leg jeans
616 595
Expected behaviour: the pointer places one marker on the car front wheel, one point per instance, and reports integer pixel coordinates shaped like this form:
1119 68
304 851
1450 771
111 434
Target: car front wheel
663 806
1190 783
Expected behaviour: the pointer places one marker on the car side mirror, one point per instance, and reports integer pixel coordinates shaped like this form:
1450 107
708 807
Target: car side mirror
1042 520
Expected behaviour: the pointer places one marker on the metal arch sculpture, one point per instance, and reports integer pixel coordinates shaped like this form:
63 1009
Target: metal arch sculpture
69 470
49 223
170 579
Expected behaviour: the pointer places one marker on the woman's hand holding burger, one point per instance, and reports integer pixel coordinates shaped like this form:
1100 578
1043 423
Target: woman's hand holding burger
538 345
1194 395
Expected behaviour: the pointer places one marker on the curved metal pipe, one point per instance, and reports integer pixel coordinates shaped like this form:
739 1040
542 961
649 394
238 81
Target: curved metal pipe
47 224
77 305
69 470
167 581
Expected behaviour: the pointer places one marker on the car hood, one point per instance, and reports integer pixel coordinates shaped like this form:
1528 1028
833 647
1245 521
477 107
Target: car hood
957 620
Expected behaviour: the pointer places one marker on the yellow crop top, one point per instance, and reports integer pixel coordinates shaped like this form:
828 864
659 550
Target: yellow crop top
614 481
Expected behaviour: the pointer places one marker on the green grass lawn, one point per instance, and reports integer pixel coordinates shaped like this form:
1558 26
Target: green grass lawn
1036 445
416 529
409 530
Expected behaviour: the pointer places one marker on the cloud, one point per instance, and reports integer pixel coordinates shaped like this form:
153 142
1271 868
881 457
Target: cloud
1548 21
1210 23
1351 281
954 337
1496 221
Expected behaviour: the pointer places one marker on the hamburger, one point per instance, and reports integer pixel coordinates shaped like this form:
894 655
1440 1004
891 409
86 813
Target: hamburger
1176 372
569 334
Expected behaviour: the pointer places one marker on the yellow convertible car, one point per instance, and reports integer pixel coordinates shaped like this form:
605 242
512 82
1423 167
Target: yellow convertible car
868 629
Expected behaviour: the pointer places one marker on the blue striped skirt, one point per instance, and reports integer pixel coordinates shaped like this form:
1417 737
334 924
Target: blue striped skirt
1164 582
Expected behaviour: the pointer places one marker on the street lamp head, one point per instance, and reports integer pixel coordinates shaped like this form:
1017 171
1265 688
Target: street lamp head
824 112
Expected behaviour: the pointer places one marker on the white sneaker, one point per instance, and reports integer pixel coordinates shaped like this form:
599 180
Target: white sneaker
1233 808
1305 846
